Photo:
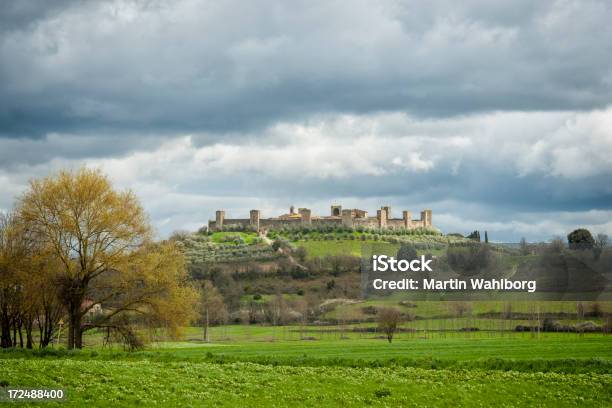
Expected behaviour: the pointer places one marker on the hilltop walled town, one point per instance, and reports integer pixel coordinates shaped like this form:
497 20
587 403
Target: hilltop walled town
338 216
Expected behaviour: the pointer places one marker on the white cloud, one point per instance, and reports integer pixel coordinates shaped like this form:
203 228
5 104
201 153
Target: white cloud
182 180
193 64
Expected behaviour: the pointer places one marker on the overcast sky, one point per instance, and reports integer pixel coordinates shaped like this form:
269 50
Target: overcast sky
497 117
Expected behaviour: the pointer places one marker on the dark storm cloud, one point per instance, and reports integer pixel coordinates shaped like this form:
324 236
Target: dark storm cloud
15 153
201 66
496 116
23 14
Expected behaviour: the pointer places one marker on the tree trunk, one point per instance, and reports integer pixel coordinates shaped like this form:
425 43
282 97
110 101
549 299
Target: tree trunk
5 337
71 333
75 333
20 333
47 336
206 338
78 335
28 328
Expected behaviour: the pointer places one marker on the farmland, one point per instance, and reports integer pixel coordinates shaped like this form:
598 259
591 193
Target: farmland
551 370
100 383
343 364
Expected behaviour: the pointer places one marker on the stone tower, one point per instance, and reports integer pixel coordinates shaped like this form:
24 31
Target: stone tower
388 210
407 217
347 218
254 219
219 217
306 215
336 210
426 218
382 217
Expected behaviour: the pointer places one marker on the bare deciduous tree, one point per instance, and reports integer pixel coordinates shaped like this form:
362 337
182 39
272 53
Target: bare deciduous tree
212 308
388 320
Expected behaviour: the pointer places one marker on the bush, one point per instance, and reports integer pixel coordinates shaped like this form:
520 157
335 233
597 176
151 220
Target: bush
580 239
301 254
382 392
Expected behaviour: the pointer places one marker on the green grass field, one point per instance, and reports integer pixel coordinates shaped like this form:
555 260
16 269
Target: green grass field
323 248
430 363
187 384
352 247
228 237
548 370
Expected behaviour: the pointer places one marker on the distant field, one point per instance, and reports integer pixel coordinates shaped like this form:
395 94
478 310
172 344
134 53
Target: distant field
350 247
227 237
323 248
456 347
286 345
435 310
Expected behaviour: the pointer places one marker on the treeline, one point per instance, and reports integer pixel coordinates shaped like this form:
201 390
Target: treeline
305 230
77 255
27 297
324 228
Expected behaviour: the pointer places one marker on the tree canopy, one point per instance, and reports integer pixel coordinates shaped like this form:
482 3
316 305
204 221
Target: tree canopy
101 239
580 238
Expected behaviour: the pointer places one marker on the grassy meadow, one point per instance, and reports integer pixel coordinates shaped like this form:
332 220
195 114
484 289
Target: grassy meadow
272 366
151 383
431 362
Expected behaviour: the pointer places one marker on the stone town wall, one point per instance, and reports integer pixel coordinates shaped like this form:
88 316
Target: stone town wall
345 217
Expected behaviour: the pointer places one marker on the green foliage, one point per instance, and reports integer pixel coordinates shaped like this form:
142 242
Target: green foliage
277 244
330 232
220 247
549 352
382 392
236 238
580 239
475 236
223 382
300 254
